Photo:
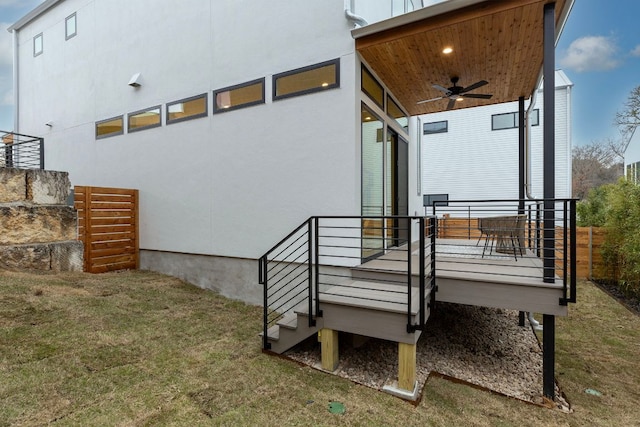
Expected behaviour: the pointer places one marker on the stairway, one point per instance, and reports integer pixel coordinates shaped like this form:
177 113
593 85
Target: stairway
38 231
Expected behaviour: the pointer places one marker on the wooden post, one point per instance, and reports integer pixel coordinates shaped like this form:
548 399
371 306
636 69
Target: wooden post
406 366
329 349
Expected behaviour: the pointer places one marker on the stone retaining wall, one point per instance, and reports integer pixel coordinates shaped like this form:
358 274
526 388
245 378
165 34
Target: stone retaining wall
38 231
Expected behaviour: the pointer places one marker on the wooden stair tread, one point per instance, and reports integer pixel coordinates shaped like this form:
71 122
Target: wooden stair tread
289 321
373 296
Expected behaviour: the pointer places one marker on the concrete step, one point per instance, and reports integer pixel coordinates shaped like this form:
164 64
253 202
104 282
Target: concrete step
57 256
23 224
34 186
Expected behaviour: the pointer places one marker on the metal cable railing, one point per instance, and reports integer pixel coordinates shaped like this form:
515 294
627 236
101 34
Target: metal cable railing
21 151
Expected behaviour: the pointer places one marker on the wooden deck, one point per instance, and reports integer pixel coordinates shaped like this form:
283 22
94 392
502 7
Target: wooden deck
464 276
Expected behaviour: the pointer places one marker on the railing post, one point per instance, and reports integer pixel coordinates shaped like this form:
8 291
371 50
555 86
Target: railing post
312 319
422 267
433 226
316 254
262 265
41 153
410 326
565 255
573 268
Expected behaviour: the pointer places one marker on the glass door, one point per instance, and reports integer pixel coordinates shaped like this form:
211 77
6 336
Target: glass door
372 184
397 189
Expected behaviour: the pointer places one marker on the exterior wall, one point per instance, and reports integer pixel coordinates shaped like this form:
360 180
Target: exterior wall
230 184
473 162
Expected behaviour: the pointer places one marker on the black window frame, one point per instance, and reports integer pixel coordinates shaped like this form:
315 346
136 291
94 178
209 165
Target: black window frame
145 110
443 130
535 122
275 77
184 100
109 135
216 109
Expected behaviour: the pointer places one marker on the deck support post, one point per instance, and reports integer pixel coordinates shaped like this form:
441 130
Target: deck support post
548 356
329 349
406 366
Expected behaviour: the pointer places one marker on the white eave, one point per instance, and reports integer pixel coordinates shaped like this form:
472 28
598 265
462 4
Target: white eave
435 10
42 8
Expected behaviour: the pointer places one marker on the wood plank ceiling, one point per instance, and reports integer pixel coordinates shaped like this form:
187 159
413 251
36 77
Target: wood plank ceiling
497 41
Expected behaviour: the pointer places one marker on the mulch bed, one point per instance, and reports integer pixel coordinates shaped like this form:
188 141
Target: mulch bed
632 304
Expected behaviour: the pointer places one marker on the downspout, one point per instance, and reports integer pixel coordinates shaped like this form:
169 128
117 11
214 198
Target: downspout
16 91
355 19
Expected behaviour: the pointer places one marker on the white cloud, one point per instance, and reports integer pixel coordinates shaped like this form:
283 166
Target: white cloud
591 53
7 99
636 51
6 45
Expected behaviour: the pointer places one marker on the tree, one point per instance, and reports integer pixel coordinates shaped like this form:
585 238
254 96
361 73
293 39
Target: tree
596 164
629 118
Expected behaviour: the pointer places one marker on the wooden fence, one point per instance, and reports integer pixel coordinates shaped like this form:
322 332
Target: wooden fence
588 242
108 227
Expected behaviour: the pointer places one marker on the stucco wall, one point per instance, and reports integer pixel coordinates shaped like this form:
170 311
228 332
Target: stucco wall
230 184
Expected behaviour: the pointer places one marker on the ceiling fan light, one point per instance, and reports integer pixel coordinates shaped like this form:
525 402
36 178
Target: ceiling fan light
458 99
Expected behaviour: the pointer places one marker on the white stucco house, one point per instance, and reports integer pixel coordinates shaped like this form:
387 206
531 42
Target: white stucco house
473 137
240 121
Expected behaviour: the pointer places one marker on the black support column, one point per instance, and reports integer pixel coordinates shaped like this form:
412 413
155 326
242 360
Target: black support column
521 170
548 338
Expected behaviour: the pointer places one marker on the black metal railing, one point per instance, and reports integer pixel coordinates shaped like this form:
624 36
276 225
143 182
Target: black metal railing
521 239
321 256
21 151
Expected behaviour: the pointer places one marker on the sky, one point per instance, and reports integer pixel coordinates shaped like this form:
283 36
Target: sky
599 51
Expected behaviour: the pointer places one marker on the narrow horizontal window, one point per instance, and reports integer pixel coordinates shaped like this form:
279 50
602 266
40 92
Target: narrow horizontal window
144 119
314 78
71 28
238 96
187 109
38 45
371 87
110 127
510 120
504 121
435 127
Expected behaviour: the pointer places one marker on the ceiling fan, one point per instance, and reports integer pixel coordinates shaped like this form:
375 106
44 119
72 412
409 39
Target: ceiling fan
456 92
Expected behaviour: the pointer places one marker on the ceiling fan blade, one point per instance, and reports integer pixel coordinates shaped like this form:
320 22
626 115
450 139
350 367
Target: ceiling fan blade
451 103
478 95
430 100
476 85
442 89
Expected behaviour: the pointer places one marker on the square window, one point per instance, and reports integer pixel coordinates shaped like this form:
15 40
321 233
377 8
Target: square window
38 45
71 28
187 109
314 78
144 119
238 96
110 127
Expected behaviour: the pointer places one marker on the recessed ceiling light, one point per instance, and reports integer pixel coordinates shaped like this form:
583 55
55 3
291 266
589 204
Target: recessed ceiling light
447 50
325 84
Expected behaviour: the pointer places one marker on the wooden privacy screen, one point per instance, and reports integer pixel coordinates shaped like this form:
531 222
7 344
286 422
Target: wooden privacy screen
108 227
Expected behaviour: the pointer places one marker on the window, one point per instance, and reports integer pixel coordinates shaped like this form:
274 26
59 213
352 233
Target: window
371 87
435 127
239 96
38 45
314 78
187 109
633 172
510 120
110 127
394 111
70 26
144 119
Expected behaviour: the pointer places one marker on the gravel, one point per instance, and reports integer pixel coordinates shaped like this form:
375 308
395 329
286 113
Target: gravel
479 345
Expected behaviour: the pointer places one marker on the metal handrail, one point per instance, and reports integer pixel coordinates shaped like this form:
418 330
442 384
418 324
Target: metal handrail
21 151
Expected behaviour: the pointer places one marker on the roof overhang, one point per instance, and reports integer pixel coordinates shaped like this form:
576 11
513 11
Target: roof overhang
39 10
497 41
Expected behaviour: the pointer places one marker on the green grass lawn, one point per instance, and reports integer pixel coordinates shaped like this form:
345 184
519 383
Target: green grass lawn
138 348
